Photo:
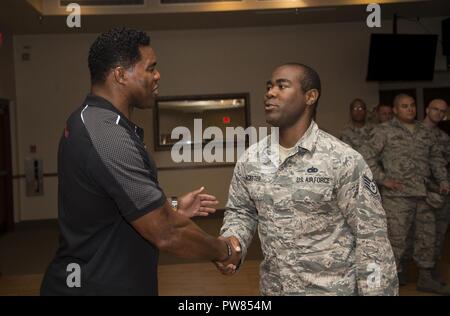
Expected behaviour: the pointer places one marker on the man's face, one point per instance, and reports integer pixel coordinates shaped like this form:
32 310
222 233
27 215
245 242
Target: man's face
143 79
405 109
284 99
384 113
358 112
437 110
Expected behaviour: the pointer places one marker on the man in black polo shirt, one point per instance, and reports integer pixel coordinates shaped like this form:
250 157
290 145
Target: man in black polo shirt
113 216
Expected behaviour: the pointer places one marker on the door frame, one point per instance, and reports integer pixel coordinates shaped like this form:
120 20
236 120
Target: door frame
9 216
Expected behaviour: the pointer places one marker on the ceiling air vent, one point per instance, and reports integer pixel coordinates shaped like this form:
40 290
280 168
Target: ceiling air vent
102 2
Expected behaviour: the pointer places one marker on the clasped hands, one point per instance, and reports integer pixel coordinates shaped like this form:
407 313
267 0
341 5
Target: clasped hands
196 203
230 265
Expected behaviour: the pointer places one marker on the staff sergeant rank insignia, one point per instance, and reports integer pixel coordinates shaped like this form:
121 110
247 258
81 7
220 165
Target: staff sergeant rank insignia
370 185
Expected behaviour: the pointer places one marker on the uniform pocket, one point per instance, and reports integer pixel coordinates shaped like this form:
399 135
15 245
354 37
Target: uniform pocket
313 217
312 197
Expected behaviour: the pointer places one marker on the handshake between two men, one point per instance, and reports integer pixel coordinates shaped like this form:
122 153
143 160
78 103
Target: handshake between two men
174 232
196 203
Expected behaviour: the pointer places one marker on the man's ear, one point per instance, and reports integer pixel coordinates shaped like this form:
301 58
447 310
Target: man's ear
119 74
394 109
312 96
427 110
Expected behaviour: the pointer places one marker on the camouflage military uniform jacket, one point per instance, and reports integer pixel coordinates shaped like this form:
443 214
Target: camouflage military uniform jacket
356 137
411 158
319 217
443 141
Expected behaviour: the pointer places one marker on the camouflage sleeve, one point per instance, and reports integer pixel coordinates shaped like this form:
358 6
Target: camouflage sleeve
371 152
446 148
345 138
444 144
360 203
241 218
438 163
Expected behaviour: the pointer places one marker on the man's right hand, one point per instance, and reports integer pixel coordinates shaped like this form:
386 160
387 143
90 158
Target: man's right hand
393 184
444 188
229 266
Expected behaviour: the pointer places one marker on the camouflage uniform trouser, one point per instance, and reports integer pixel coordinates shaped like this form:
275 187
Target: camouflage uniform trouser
442 220
402 213
442 216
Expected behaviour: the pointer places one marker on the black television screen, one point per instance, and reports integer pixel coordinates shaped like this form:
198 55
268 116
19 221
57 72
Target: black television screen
402 57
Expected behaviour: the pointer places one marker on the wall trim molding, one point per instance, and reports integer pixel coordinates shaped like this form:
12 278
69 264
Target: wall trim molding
189 167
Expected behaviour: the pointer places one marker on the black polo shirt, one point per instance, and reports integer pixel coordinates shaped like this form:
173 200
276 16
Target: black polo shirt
106 180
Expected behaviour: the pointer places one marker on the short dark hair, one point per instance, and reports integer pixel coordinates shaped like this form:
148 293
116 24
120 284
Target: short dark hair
118 46
309 80
436 99
380 105
402 95
357 100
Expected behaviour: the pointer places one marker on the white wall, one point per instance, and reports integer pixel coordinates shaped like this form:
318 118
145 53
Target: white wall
49 87
53 83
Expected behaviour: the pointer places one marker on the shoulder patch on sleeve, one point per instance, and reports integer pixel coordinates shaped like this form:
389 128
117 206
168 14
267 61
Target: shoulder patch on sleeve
370 185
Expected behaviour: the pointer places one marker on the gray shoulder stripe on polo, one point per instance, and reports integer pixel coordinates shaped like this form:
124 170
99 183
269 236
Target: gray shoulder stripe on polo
124 162
82 118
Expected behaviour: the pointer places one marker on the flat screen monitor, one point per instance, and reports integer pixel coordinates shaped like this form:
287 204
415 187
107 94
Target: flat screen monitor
402 57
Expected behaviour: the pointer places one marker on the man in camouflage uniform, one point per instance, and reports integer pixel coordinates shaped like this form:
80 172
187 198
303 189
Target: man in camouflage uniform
319 214
358 132
408 155
383 113
436 112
